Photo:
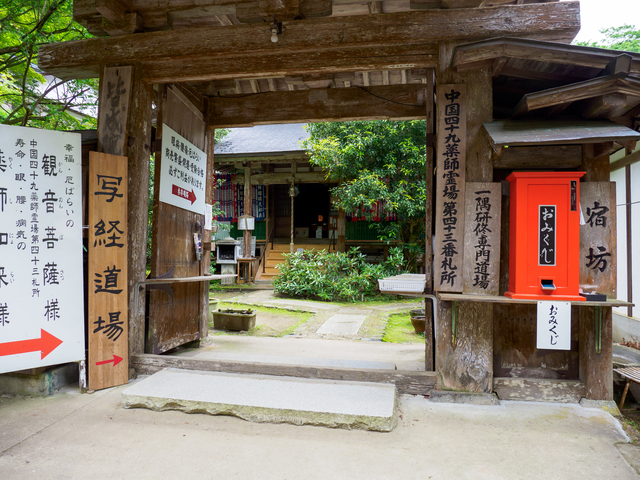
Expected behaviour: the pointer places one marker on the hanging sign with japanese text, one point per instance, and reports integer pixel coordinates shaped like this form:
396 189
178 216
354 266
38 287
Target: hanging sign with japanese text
182 172
450 188
554 326
482 238
598 262
41 278
107 327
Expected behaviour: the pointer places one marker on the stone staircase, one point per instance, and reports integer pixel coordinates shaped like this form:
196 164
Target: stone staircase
274 257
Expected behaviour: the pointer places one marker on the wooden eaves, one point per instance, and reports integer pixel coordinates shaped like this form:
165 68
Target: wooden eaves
512 133
498 51
623 93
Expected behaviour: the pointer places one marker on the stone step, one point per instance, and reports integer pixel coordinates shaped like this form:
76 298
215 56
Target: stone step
266 398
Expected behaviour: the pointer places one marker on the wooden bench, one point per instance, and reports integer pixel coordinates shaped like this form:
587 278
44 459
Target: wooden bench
630 374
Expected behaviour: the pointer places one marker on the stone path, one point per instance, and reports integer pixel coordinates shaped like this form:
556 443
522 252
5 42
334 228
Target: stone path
331 320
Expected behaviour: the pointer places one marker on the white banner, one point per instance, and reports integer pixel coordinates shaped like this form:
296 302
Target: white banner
41 276
182 173
554 325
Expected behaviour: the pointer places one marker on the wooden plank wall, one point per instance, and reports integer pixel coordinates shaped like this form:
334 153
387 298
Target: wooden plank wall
175 320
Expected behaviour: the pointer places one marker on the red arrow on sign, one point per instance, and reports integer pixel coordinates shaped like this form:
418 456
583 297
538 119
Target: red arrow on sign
184 193
116 360
46 344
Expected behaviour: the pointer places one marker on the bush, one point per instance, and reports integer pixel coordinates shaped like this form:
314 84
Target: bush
333 276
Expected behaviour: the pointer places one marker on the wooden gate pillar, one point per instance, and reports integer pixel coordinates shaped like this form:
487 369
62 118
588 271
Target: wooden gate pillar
128 133
595 345
468 366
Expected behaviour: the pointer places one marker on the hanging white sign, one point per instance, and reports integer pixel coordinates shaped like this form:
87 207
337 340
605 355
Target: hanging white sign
182 173
41 276
554 325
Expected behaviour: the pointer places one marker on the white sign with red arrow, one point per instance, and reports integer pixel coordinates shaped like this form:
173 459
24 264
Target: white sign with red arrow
41 279
182 173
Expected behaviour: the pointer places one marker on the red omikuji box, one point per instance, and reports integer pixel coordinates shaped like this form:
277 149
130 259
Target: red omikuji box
544 236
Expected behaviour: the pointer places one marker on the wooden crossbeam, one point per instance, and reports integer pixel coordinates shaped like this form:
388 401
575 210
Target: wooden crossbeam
624 161
114 10
79 59
577 91
397 102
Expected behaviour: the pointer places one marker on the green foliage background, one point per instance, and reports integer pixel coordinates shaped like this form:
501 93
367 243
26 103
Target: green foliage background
377 160
328 276
27 98
626 38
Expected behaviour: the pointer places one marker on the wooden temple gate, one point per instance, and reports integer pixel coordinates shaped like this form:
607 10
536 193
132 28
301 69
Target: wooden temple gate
211 64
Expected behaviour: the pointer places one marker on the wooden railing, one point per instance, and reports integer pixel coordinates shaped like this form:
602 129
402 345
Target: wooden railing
267 248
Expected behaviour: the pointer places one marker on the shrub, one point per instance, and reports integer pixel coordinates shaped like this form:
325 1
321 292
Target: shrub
333 276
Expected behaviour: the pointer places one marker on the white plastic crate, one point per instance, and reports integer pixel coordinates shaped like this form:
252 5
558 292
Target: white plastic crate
413 283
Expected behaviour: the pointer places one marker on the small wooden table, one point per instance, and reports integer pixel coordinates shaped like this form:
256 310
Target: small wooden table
249 264
630 374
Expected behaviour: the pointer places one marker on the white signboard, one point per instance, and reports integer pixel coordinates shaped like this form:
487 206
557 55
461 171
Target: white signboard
183 172
208 216
554 326
41 277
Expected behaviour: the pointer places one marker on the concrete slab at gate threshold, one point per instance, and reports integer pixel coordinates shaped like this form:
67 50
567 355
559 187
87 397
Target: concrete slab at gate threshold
342 324
265 398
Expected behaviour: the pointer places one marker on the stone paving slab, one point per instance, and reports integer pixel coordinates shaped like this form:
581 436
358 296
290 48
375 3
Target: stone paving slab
270 399
342 324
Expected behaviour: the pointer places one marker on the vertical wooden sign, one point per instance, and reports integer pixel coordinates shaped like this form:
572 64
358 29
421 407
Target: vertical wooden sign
482 238
450 187
115 89
108 358
598 253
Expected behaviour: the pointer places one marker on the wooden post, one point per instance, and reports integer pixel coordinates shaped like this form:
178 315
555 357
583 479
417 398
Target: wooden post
205 264
130 135
627 183
428 222
341 230
595 363
139 153
291 193
468 366
246 238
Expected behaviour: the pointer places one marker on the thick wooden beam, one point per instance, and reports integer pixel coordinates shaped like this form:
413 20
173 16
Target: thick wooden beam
397 102
547 157
79 58
292 66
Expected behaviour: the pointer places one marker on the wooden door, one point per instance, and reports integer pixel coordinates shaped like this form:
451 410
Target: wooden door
175 313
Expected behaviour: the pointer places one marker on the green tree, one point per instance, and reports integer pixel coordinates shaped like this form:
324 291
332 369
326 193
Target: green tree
27 97
372 161
626 38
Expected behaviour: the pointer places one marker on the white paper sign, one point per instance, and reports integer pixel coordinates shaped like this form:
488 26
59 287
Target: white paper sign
554 326
208 216
183 172
41 277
